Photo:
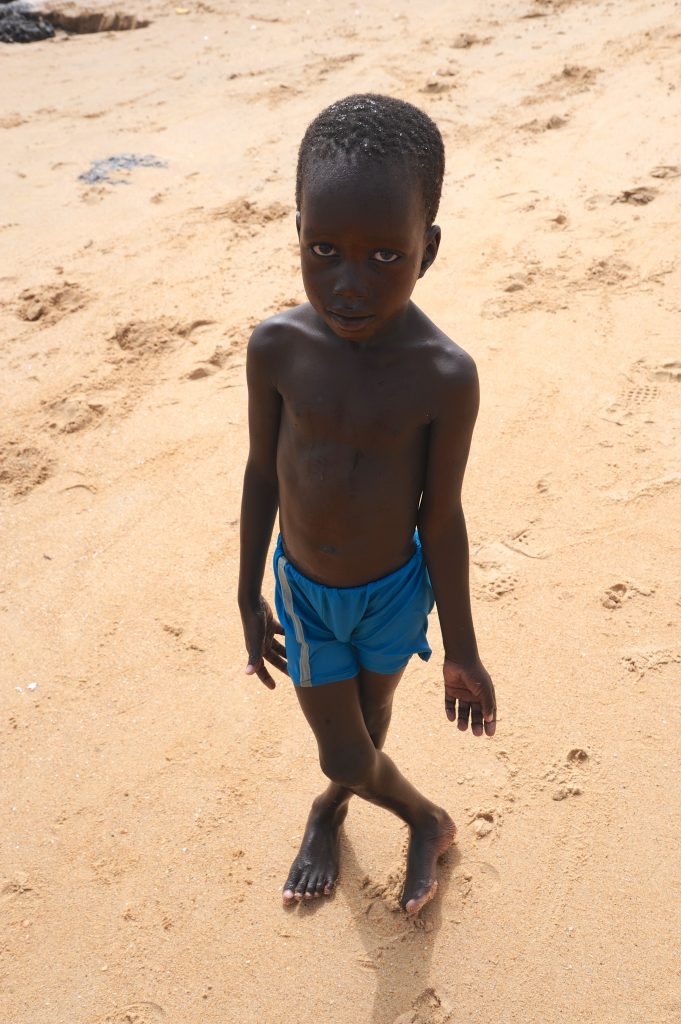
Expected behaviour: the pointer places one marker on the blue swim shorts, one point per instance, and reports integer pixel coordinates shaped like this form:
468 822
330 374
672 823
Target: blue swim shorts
333 631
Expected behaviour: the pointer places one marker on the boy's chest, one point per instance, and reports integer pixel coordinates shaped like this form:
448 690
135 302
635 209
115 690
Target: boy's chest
355 400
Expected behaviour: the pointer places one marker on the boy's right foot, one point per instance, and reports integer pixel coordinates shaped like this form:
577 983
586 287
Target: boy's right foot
426 846
314 872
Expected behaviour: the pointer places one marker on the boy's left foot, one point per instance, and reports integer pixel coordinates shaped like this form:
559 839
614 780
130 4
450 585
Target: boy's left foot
426 844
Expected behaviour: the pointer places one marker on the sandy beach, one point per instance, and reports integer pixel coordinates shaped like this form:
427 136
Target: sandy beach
153 796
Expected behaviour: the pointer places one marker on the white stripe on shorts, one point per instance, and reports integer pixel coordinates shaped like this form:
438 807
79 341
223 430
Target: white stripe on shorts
304 667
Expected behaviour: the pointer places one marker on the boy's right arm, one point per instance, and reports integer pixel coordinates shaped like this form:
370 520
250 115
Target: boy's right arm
259 505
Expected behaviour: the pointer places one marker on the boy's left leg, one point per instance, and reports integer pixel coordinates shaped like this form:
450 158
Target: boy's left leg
349 758
315 869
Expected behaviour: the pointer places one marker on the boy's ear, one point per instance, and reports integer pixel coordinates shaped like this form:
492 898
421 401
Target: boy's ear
298 222
432 244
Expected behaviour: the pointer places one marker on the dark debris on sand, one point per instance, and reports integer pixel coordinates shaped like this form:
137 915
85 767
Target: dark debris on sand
22 21
19 24
103 170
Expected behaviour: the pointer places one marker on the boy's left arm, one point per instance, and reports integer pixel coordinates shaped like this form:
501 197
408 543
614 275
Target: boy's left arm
442 531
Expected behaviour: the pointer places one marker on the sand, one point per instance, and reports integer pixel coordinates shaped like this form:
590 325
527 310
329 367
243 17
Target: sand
152 795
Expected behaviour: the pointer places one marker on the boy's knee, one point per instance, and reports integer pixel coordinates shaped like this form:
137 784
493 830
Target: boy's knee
349 766
377 721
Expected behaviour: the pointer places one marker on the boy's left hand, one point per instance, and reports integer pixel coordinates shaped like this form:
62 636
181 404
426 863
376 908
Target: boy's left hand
472 687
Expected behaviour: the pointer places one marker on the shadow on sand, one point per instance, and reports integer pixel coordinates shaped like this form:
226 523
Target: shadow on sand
398 949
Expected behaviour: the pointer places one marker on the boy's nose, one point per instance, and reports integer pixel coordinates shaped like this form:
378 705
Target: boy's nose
350 282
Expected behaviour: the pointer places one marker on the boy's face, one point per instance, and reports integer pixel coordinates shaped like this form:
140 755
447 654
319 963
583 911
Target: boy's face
363 246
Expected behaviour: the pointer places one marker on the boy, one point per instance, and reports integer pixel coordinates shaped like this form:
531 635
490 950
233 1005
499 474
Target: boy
361 413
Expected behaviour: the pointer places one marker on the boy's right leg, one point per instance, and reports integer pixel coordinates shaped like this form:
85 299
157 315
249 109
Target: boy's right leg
350 759
315 869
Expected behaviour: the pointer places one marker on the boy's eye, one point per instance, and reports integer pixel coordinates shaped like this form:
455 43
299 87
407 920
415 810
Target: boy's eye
323 249
385 256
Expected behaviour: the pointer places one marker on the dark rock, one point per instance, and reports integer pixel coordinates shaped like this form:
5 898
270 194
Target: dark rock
18 25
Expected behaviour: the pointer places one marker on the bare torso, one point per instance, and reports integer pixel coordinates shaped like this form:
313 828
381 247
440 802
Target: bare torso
352 445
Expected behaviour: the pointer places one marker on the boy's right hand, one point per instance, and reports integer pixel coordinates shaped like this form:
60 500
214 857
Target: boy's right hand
260 627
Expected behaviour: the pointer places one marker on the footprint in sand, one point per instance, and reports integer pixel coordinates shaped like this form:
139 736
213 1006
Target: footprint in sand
248 213
670 372
640 394
209 366
428 1008
577 77
572 79
436 86
641 380
638 196
493 575
387 893
568 776
666 171
535 286
523 543
518 281
70 415
13 121
551 123
633 399
49 303
642 660
465 40
140 339
608 272
648 489
495 586
486 822
143 1012
22 467
617 594
18 885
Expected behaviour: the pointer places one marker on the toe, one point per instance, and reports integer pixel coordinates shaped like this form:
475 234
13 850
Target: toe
311 886
301 888
288 896
414 904
289 891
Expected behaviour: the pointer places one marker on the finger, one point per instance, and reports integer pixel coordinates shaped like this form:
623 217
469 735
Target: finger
279 648
462 718
488 701
258 669
277 627
277 661
450 708
491 726
476 719
264 677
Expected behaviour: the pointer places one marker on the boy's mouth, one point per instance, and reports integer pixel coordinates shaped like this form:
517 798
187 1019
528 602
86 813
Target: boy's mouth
350 321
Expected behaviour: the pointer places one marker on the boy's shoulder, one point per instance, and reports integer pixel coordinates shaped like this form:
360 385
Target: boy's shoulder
448 360
277 329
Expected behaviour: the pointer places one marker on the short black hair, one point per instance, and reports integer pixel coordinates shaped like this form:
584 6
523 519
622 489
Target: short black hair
377 128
